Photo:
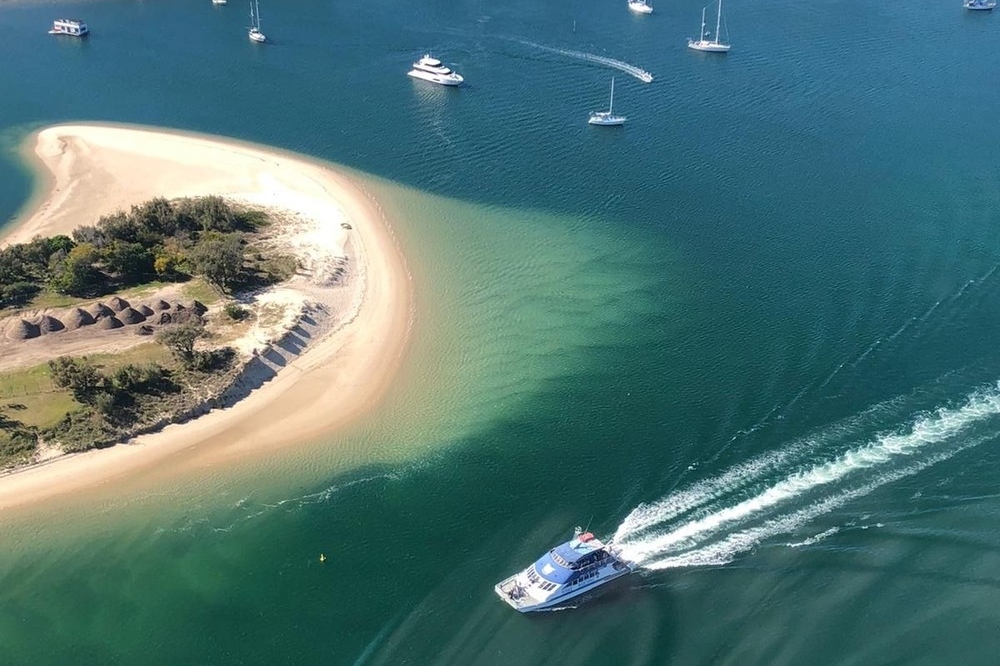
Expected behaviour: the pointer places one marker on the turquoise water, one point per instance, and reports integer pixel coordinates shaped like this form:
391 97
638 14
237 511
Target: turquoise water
752 335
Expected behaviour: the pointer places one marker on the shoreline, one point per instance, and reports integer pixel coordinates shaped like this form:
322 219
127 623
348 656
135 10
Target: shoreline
88 170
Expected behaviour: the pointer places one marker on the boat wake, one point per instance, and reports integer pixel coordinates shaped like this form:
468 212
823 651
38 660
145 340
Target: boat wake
713 521
620 65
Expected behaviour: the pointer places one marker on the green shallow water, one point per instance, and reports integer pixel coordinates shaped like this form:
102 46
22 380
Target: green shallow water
752 336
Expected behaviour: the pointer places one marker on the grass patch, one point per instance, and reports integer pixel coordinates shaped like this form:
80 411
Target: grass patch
200 290
148 352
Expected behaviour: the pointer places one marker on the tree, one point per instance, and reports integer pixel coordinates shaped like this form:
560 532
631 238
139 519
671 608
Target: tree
210 213
76 274
219 257
180 341
130 261
80 376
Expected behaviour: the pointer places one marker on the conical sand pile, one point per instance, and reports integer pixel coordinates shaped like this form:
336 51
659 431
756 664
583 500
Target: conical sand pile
49 324
118 304
131 316
199 307
161 305
20 329
145 310
107 323
145 329
99 310
162 318
76 318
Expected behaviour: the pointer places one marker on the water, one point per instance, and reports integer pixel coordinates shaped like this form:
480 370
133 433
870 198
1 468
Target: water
752 335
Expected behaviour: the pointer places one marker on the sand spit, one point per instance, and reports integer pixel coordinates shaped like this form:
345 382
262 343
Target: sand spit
323 355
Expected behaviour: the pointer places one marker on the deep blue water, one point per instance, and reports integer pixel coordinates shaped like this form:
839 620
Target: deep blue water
752 334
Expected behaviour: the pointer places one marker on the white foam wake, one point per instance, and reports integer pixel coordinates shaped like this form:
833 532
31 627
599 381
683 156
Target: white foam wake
620 65
651 537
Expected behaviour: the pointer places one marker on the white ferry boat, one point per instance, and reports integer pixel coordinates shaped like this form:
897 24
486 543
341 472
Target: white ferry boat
74 27
569 570
433 70
979 5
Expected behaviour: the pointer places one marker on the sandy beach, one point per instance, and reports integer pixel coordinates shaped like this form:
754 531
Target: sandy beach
93 170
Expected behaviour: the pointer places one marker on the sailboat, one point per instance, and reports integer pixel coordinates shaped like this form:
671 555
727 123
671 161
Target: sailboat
218 2
607 118
713 45
255 34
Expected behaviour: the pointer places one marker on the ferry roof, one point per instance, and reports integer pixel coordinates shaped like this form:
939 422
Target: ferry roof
550 566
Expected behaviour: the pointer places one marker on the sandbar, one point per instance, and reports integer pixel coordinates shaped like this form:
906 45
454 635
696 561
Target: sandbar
95 169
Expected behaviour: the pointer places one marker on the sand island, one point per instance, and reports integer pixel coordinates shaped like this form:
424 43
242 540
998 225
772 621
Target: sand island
305 349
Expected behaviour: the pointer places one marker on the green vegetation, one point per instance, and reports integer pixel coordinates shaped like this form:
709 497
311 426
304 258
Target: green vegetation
156 240
95 401
235 311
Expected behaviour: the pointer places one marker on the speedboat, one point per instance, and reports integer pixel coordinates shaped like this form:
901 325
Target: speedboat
640 6
980 5
73 27
569 570
433 70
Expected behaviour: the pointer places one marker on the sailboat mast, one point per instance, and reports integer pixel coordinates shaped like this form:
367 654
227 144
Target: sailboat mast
611 106
718 22
701 35
257 4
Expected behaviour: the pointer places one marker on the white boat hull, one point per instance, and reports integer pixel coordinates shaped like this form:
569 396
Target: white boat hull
607 121
980 8
257 37
640 8
556 601
441 79
709 47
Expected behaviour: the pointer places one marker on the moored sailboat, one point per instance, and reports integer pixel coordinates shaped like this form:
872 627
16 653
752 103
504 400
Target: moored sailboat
254 31
714 45
607 118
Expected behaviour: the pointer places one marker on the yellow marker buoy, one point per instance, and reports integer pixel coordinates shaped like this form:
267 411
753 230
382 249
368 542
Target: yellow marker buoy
322 557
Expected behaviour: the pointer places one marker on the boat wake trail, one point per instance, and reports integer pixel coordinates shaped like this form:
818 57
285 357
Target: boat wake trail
620 65
715 520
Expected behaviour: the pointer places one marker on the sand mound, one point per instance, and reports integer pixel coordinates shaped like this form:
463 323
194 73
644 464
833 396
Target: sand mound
99 310
178 307
20 329
162 318
161 305
118 304
145 329
145 310
199 307
49 324
76 318
131 316
107 323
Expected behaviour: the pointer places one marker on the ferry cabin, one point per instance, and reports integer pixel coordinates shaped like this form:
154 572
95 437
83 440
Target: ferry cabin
73 27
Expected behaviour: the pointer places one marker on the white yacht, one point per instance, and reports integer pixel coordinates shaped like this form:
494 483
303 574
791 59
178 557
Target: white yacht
254 31
607 118
979 5
73 27
711 45
433 70
640 6
219 2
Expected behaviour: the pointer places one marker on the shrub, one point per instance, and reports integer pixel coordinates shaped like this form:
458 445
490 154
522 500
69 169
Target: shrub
236 312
